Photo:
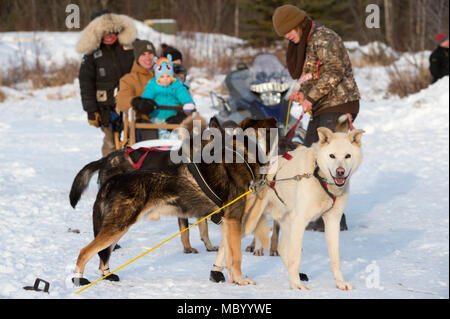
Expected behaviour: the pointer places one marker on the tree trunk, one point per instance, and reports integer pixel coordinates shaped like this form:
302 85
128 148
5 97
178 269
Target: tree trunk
236 19
388 22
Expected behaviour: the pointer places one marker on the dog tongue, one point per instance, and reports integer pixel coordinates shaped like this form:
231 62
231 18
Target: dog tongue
340 181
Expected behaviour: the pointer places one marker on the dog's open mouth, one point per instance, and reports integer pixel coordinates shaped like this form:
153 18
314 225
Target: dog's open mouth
339 181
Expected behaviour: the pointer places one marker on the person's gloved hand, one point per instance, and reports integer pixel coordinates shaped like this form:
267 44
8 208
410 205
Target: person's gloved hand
94 118
144 106
297 97
188 108
176 119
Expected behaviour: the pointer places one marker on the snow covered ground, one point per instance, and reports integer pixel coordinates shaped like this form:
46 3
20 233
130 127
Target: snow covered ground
397 244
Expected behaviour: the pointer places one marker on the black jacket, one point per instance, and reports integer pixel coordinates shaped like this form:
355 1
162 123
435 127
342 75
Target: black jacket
100 73
439 63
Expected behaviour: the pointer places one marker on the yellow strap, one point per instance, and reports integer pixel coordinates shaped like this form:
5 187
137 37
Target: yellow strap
287 118
160 244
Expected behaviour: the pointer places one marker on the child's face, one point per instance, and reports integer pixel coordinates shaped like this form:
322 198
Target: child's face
180 77
165 79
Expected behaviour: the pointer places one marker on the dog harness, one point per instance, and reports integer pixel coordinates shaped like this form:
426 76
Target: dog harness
323 182
147 150
204 186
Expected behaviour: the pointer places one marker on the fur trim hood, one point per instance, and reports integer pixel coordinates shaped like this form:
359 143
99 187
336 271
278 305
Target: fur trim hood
91 36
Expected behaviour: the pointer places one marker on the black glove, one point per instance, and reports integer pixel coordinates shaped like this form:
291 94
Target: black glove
94 118
144 106
176 119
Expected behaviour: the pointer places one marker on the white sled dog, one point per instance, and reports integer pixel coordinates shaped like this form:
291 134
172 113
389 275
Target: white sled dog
309 183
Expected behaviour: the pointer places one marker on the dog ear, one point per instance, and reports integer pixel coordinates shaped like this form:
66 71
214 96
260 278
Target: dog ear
214 122
269 122
325 135
355 137
248 122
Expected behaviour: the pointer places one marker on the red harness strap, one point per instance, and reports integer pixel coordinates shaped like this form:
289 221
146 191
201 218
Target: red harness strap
286 156
350 122
147 150
292 131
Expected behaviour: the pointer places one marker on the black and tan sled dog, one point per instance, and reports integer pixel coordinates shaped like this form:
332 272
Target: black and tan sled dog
124 198
123 161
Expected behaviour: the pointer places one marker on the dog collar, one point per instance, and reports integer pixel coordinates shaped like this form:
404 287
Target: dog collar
324 183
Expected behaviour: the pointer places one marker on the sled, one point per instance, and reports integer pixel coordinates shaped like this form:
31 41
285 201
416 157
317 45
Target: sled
127 137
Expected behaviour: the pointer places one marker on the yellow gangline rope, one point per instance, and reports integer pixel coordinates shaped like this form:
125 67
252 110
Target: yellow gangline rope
287 118
162 243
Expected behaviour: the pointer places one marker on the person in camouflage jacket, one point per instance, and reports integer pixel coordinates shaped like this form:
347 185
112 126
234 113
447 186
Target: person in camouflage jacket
317 58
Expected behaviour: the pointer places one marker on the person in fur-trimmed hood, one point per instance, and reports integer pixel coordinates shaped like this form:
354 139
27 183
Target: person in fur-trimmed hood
106 44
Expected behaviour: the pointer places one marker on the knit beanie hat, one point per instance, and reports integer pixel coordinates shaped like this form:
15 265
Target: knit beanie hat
141 46
162 66
286 18
441 38
167 49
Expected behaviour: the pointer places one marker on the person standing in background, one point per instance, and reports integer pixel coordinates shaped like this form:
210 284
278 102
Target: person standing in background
317 58
439 58
106 45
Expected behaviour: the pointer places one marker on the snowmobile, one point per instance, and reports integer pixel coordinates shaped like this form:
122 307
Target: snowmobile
259 92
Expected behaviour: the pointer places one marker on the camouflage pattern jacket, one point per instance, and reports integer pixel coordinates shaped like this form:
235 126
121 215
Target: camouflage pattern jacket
327 79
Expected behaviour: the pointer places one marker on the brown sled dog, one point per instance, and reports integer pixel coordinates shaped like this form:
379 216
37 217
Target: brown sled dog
118 163
124 198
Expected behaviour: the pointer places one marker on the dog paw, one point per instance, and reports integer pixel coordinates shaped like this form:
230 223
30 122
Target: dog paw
274 253
80 281
244 282
250 249
212 248
344 285
258 252
216 276
299 285
190 251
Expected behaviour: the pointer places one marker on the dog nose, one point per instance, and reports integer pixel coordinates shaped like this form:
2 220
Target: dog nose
340 171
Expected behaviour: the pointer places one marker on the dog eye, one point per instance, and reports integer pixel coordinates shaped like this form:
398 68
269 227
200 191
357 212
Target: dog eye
332 156
348 156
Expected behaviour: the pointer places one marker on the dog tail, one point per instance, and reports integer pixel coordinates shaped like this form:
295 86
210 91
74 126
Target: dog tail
342 124
82 179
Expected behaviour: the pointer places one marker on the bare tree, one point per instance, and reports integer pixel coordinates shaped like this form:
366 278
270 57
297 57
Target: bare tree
236 18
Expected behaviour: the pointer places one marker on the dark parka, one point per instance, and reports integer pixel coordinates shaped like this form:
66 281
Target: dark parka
103 65
439 63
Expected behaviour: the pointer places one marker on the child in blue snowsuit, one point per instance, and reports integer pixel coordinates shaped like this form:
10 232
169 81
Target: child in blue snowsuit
166 90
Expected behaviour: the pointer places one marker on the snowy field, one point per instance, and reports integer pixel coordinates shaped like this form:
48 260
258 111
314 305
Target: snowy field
397 244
